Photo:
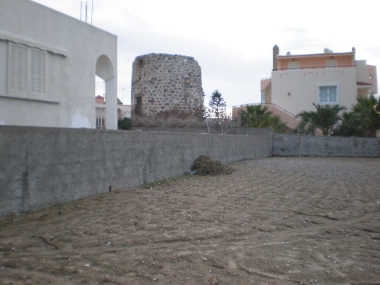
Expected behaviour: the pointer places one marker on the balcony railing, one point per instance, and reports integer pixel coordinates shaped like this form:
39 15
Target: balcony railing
315 67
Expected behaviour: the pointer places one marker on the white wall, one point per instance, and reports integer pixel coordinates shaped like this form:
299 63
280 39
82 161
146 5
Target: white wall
3 66
125 110
303 86
361 70
72 50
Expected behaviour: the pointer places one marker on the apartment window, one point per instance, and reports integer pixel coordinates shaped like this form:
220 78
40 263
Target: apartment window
331 63
328 95
100 118
262 96
26 71
293 65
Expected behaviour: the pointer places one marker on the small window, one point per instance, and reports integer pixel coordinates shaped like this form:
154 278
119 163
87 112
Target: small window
140 63
293 65
328 95
100 118
262 96
138 107
331 63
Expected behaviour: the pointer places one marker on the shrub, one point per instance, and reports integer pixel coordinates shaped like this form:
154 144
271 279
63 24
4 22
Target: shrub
204 165
124 124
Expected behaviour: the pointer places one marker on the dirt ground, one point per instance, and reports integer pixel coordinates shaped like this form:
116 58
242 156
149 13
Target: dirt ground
273 221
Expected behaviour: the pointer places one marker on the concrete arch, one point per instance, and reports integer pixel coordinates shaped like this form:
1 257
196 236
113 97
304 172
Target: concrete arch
105 70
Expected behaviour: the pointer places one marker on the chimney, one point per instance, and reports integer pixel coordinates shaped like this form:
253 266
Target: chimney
276 52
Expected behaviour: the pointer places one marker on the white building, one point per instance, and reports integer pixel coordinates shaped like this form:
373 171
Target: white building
123 111
48 63
326 78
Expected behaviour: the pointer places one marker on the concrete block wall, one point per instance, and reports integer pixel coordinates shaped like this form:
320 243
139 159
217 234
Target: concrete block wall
40 167
287 145
232 131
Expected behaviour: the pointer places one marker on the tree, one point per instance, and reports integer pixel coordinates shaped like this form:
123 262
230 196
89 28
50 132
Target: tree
258 116
324 118
305 127
125 124
366 117
217 106
362 121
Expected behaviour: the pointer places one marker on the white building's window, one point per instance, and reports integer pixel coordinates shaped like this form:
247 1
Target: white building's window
293 65
331 63
26 71
328 95
100 118
262 96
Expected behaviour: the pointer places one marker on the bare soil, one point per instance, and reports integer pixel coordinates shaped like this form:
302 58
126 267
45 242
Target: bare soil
272 221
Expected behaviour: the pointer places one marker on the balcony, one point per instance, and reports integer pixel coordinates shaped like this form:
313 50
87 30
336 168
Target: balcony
315 67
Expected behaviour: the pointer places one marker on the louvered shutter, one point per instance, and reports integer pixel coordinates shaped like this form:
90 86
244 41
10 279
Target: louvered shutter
18 68
37 72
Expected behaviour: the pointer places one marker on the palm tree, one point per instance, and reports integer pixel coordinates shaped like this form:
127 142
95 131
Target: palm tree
324 118
347 128
258 116
363 121
366 113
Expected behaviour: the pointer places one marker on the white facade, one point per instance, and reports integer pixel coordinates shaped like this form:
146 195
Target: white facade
327 78
296 90
48 63
123 111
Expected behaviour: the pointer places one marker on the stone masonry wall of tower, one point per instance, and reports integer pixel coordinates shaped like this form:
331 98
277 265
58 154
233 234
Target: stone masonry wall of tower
165 85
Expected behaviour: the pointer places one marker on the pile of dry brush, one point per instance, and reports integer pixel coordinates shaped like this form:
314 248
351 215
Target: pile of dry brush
204 165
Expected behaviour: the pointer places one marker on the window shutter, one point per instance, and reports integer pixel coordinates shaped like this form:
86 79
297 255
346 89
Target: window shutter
37 72
18 69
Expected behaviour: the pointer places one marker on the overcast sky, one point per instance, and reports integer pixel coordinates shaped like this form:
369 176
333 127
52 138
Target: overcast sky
231 40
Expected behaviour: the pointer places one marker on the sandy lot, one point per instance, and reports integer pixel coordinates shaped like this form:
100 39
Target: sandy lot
273 221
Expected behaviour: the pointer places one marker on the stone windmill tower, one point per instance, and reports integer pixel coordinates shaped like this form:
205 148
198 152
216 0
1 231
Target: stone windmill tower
166 86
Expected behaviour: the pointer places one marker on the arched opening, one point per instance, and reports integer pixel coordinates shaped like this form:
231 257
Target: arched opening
104 72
